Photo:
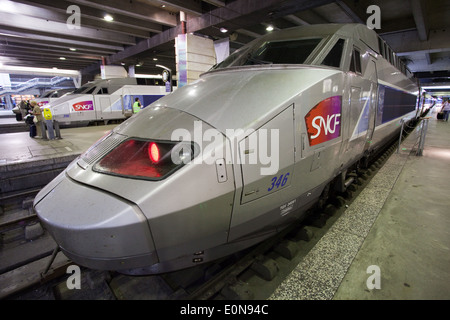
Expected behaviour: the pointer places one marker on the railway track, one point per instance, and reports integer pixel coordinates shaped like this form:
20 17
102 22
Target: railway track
253 274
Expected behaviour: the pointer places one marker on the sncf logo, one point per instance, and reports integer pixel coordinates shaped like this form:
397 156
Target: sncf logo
323 122
83 106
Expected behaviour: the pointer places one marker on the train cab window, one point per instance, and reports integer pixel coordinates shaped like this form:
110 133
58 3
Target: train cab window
271 52
102 91
90 91
381 46
80 90
355 64
333 58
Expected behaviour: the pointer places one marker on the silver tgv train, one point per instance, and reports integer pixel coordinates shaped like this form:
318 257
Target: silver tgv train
228 161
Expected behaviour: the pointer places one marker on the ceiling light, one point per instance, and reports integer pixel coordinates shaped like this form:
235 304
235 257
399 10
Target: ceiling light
155 59
72 49
269 27
436 87
223 30
62 58
108 18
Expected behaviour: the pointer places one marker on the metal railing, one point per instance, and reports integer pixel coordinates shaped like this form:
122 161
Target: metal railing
35 82
420 141
423 133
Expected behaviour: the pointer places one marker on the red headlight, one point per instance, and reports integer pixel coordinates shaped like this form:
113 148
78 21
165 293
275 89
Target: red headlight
153 152
140 159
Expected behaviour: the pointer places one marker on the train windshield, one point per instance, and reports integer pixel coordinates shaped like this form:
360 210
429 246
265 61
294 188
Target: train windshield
87 89
272 52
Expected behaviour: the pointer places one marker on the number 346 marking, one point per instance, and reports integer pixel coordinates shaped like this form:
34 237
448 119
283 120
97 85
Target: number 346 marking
279 181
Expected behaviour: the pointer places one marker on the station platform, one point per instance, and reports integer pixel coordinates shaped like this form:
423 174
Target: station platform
393 241
20 148
27 164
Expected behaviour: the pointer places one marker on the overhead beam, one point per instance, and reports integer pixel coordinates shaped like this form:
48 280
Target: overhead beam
296 20
188 6
47 46
144 45
20 36
249 33
39 71
92 14
418 9
405 43
217 3
59 15
350 11
36 55
32 24
132 9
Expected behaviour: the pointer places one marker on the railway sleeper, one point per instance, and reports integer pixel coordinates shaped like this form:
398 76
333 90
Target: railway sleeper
266 268
237 291
305 233
287 249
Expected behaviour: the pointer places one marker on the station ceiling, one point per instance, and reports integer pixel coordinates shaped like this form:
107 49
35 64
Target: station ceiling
75 35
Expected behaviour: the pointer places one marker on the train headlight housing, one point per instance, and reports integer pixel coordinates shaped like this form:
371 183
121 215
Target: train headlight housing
144 159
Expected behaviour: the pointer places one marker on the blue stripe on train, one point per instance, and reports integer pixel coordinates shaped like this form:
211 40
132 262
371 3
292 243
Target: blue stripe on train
393 104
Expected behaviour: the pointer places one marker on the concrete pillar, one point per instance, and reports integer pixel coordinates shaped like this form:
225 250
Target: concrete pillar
194 55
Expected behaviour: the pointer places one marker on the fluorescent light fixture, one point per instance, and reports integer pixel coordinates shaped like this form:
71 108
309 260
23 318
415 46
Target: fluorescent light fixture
108 18
269 27
72 49
436 87
62 58
149 76
223 30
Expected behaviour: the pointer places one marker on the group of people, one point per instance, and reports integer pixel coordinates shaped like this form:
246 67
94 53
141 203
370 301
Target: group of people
38 121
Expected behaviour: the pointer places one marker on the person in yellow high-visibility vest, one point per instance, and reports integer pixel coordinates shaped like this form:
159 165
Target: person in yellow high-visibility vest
49 122
136 105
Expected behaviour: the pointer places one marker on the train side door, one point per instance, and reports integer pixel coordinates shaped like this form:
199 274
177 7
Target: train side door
102 104
267 164
127 102
372 77
267 157
363 101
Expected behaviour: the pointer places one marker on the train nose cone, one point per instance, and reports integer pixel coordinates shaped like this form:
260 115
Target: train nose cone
94 228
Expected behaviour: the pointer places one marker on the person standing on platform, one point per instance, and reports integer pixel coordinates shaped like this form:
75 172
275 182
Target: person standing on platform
23 108
137 105
49 123
446 110
37 112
